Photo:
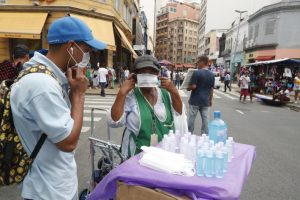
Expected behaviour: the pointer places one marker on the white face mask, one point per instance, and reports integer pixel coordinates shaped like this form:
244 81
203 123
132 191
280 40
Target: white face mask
147 80
85 58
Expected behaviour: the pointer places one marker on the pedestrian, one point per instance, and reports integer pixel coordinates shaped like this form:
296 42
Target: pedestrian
95 78
113 78
41 104
126 73
244 82
297 86
227 82
201 85
177 79
102 74
89 76
9 70
122 76
252 86
145 111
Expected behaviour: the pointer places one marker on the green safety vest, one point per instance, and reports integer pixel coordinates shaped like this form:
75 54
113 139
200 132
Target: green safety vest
146 119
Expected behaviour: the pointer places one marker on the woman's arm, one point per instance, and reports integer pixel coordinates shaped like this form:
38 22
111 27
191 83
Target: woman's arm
117 108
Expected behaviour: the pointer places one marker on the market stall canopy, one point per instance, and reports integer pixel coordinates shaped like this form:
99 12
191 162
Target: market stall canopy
101 29
165 63
126 42
22 25
283 61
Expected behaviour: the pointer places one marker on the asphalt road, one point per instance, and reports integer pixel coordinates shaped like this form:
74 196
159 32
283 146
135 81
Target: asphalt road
274 131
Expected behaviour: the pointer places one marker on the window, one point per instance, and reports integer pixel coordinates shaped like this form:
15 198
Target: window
2 2
270 26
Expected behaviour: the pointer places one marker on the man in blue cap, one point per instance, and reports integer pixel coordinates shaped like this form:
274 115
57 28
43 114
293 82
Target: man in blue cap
41 104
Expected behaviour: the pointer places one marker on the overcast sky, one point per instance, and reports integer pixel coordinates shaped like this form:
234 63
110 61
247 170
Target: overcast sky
250 5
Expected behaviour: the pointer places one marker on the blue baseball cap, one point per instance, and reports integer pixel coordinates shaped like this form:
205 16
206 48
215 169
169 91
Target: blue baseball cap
69 28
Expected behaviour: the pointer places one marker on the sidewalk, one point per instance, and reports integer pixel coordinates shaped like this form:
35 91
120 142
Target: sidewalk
291 105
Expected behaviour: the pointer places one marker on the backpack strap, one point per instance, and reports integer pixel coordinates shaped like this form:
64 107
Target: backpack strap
36 69
31 70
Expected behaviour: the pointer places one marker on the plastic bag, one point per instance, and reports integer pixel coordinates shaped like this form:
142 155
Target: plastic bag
180 121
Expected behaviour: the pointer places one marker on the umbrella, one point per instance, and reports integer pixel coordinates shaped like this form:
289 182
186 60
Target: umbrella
165 62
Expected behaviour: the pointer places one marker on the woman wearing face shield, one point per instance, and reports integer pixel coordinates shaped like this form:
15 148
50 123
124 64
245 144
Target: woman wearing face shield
144 108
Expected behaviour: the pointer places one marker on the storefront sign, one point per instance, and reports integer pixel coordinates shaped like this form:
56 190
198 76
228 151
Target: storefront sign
20 35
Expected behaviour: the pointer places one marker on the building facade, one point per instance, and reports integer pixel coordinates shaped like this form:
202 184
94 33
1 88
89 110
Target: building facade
111 21
212 45
177 32
236 37
214 16
274 32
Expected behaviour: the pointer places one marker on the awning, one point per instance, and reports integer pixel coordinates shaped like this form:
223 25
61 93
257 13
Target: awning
286 61
126 42
264 58
102 30
22 25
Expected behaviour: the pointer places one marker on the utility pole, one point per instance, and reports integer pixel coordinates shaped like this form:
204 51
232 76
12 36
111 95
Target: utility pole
237 37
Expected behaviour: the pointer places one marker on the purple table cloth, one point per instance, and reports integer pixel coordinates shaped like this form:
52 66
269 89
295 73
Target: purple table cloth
229 187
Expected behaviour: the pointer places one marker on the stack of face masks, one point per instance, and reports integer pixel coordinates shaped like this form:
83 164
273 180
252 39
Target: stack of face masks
163 161
147 80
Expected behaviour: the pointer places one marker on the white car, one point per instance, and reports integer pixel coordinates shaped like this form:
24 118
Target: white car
217 80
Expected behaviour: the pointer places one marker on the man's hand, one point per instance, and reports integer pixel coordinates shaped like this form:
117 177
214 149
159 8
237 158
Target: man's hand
167 84
77 81
128 85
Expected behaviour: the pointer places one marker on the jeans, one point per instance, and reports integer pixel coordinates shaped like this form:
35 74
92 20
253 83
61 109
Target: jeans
102 85
227 85
192 116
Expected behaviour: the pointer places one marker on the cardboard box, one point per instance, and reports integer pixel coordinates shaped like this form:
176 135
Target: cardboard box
126 192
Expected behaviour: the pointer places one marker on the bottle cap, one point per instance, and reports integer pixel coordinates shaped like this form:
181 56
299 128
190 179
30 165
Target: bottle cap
217 114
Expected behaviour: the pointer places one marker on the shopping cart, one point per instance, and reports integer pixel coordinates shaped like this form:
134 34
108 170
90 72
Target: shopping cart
109 157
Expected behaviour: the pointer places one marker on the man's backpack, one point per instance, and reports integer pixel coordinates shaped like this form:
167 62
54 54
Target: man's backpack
14 161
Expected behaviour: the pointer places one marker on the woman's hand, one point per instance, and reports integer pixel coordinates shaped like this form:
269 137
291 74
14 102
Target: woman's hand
128 85
167 84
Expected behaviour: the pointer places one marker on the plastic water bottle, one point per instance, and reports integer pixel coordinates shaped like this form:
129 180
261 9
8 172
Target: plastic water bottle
165 142
217 129
200 162
225 158
230 139
229 150
191 152
219 164
213 149
208 163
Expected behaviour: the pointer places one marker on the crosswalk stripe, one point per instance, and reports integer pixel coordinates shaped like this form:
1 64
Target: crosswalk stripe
95 112
98 97
99 102
216 96
97 106
226 95
182 93
88 119
85 129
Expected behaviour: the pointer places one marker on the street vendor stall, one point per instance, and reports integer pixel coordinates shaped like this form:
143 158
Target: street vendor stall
133 174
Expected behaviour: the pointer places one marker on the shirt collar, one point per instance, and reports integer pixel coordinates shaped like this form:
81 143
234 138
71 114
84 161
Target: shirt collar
39 58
